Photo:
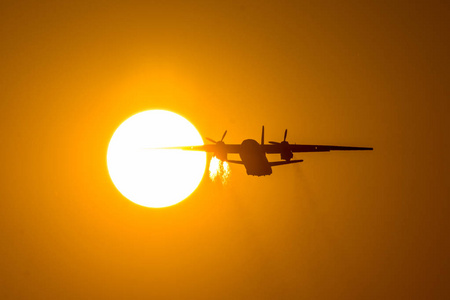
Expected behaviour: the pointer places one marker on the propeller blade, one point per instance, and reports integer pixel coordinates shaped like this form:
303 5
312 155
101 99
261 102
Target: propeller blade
224 134
274 143
285 134
211 140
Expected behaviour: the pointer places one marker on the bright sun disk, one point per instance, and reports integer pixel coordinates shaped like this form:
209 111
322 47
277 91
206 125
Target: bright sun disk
155 177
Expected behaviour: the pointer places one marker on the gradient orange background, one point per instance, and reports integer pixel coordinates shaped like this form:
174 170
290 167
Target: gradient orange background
341 225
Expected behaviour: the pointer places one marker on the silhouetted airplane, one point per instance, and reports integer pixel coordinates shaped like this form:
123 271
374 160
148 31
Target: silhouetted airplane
253 154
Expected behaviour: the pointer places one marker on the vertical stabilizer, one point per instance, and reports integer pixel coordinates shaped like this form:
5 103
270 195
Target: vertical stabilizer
262 136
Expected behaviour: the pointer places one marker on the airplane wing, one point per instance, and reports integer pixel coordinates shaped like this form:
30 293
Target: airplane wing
278 148
231 148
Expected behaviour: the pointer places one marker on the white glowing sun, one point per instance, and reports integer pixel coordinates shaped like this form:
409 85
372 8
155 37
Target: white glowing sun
155 177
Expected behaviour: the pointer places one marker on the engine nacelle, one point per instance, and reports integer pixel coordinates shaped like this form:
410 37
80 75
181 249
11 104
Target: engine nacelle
286 153
221 155
221 152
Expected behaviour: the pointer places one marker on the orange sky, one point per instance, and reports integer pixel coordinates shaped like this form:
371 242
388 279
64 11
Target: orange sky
350 225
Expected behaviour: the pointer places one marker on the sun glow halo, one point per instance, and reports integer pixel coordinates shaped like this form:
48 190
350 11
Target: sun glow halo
155 177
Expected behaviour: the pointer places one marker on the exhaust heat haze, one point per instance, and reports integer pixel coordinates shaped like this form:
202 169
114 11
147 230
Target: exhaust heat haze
219 169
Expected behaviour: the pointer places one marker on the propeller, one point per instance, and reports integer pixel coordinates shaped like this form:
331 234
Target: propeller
284 140
221 140
285 149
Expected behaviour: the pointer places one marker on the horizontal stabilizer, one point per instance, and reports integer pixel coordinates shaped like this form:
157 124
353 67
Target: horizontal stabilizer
279 163
235 162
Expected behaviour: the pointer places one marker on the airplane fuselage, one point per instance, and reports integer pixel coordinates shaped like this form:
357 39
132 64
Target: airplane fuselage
254 158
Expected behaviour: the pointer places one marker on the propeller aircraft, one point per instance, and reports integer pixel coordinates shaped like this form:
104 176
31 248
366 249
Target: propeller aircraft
253 154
